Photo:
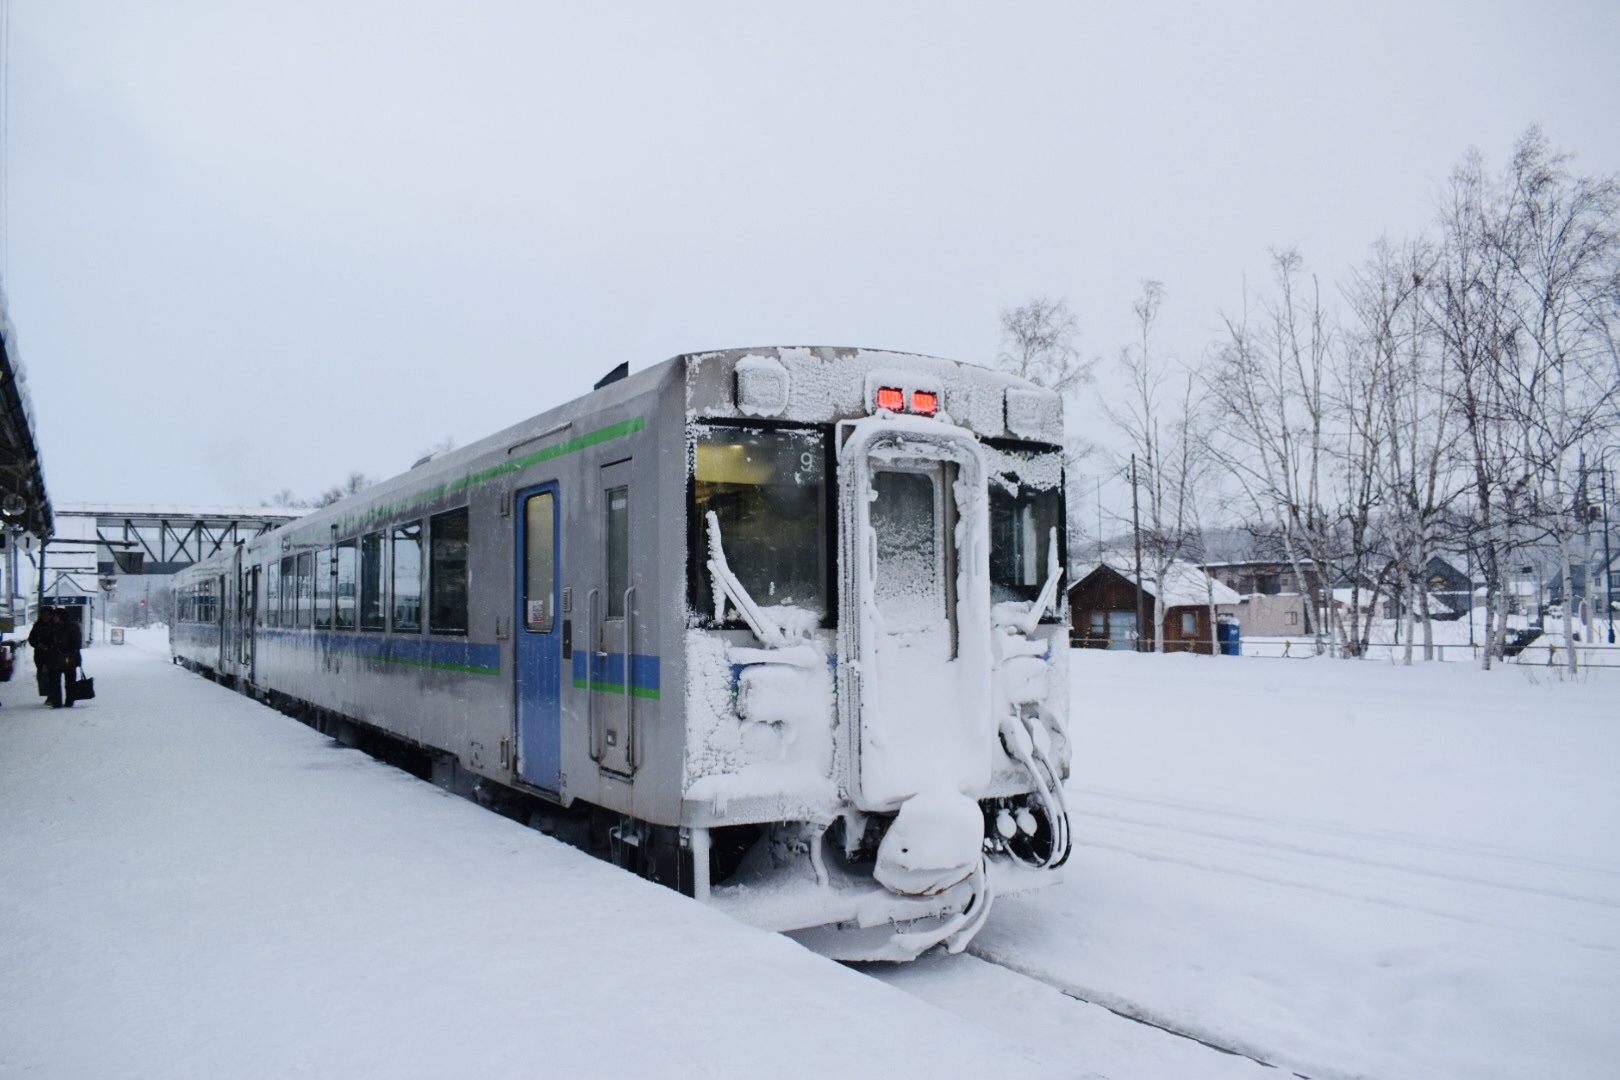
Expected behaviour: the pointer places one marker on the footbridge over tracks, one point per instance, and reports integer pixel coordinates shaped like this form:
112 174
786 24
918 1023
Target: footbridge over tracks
136 538
94 545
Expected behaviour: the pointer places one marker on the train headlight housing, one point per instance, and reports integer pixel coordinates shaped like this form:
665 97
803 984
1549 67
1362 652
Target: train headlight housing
891 398
904 392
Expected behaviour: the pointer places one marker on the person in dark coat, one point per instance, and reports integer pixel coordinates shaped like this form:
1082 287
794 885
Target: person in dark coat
60 661
41 638
68 657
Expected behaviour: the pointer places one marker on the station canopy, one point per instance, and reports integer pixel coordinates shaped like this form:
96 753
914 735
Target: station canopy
23 500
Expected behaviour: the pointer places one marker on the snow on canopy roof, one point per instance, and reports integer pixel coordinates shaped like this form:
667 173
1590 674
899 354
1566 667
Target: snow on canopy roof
1185 585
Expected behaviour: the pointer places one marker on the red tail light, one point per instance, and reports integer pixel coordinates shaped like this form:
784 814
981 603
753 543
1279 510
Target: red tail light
924 402
891 398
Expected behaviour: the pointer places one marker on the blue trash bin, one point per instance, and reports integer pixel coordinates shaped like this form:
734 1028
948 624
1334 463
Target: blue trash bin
1230 637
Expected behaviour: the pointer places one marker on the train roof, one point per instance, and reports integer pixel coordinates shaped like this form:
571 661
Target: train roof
815 384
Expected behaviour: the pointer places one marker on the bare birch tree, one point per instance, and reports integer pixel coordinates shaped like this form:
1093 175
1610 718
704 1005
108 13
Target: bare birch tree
1268 386
1408 415
1040 342
1526 302
1560 243
1157 420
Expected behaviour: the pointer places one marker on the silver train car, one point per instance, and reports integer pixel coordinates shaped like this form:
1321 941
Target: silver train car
780 627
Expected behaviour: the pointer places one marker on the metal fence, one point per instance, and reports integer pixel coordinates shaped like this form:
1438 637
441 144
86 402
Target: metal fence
1540 653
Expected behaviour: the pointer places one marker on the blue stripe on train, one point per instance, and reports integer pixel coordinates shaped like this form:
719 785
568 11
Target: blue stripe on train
607 673
426 652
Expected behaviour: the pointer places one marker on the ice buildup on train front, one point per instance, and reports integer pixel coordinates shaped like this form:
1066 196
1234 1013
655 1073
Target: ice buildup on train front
876 644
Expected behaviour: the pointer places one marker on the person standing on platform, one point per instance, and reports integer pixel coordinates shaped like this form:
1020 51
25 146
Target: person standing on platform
68 656
41 638
60 657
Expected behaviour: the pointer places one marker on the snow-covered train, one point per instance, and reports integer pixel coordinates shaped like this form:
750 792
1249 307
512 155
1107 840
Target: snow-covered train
780 627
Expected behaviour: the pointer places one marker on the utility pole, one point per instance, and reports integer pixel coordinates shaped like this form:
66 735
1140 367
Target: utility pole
1136 529
1608 564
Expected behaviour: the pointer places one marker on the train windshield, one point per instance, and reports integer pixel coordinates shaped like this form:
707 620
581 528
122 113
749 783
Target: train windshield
1026 505
767 488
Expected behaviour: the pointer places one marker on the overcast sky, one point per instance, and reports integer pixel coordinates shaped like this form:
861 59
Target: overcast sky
256 246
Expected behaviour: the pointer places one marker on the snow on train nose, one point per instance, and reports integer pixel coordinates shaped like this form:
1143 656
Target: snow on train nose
935 843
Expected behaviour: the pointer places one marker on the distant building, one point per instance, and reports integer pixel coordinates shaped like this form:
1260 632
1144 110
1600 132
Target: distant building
1102 606
1577 576
1450 586
1273 600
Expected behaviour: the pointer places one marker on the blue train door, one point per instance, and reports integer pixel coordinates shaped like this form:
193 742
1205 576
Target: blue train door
538 645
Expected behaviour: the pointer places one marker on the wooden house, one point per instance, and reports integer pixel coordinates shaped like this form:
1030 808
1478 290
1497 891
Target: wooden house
1102 606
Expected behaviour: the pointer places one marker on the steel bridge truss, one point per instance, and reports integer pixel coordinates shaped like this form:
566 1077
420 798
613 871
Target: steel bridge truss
163 543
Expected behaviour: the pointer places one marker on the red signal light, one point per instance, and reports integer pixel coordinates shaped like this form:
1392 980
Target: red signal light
891 398
922 401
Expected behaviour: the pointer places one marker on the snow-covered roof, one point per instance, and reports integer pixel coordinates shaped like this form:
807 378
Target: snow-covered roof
1184 584
1365 600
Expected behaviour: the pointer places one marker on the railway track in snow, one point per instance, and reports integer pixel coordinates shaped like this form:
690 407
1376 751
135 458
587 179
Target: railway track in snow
1426 876
1451 879
1137 1014
983 986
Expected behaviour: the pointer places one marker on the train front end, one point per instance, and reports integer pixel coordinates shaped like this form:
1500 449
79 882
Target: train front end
876 649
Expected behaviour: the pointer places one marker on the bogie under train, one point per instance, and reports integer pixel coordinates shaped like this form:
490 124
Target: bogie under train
781 627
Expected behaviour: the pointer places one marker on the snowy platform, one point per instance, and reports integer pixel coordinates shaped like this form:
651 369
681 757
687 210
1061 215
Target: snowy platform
192 885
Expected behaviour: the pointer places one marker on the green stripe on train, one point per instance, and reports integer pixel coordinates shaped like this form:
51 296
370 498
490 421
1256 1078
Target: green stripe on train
450 487
436 665
618 688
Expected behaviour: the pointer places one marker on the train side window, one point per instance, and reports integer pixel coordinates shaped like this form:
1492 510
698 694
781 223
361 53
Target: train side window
345 585
540 562
289 591
447 572
306 589
618 550
373 615
325 571
272 594
407 580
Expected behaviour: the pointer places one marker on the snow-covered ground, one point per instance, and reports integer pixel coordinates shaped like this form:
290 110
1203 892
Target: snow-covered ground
192 885
1341 868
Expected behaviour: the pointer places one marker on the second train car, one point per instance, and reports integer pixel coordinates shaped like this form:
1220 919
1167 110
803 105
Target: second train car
781 626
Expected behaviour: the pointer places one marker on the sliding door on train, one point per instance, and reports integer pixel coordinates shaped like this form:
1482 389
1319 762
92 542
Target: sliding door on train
611 666
538 647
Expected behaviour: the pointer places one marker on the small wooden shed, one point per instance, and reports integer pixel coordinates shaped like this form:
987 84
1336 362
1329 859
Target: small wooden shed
1102 606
